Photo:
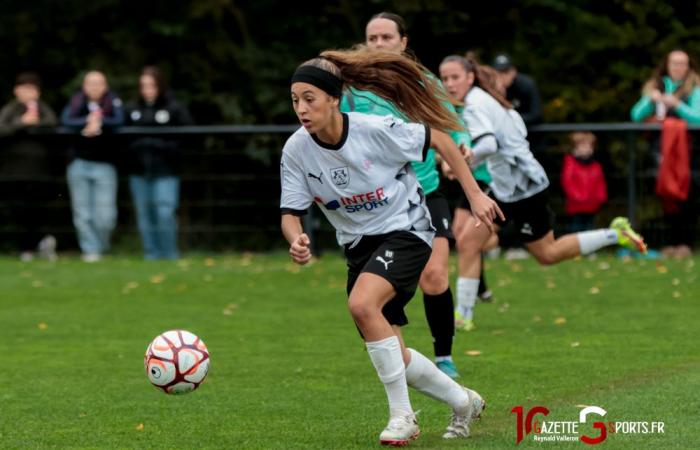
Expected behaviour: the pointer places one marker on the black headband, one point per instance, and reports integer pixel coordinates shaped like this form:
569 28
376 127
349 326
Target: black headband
320 78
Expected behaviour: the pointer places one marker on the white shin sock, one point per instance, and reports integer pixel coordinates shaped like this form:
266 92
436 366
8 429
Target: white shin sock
388 361
590 241
424 376
467 289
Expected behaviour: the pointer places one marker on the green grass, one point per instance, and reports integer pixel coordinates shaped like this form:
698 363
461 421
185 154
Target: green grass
289 371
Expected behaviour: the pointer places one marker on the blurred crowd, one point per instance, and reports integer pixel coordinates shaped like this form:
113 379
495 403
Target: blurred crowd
671 96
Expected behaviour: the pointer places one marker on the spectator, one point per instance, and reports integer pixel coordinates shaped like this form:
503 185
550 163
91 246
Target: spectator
92 177
521 90
672 95
583 182
25 160
154 165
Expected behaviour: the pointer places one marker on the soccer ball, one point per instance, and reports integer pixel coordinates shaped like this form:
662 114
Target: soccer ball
176 362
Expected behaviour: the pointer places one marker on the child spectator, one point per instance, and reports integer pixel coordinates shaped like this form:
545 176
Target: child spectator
92 177
583 182
25 160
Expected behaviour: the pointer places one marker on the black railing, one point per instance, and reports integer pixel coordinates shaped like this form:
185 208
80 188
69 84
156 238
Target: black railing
230 181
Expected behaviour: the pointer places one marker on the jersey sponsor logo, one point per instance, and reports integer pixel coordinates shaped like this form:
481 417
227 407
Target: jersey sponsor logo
385 262
368 201
317 178
340 176
526 229
330 206
445 224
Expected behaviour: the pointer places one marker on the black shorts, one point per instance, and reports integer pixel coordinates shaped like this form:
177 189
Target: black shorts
532 218
463 203
399 257
440 215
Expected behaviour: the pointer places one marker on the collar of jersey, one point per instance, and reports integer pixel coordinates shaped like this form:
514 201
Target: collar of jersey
342 140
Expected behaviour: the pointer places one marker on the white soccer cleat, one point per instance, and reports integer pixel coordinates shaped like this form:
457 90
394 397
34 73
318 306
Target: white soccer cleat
459 425
400 431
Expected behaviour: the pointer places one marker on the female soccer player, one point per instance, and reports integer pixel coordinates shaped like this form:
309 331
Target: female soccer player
519 183
356 167
387 31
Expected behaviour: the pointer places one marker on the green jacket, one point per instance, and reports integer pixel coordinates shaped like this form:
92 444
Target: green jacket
370 103
689 109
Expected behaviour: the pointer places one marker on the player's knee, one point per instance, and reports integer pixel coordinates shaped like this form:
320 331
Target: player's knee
545 258
434 280
361 311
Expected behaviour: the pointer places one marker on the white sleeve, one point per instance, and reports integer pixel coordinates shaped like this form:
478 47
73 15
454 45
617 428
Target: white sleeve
296 197
404 142
478 122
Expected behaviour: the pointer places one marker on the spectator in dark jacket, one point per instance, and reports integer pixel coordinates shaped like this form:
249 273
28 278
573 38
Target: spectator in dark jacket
154 165
521 90
92 177
24 164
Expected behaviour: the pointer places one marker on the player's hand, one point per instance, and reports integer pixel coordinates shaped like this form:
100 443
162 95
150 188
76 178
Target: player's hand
447 170
485 210
300 250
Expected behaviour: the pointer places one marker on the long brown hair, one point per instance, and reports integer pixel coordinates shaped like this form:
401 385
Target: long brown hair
484 76
690 82
395 78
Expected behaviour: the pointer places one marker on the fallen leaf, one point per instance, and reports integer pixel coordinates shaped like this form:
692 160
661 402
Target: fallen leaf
662 269
588 274
675 282
537 319
603 265
516 267
139 427
551 284
42 326
560 321
209 262
473 352
157 279
575 344
594 290
676 294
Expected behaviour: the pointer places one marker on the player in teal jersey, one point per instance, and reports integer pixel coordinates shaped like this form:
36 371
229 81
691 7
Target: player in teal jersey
386 31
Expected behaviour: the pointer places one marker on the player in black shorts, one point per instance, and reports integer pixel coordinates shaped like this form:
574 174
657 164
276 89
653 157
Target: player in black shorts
355 167
519 183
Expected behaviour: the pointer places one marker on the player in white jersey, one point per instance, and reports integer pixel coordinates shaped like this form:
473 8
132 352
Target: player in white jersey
357 168
519 184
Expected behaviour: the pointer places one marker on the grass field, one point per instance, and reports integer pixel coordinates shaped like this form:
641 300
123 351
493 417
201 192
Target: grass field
289 371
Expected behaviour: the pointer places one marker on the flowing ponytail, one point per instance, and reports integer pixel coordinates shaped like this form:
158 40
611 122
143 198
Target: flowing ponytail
395 78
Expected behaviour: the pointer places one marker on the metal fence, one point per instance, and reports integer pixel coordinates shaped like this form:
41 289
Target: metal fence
230 184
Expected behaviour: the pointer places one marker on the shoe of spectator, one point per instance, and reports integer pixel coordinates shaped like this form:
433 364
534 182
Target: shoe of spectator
26 256
494 253
47 248
682 252
91 257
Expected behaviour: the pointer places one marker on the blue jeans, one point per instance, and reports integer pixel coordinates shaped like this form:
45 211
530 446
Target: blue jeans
155 200
93 194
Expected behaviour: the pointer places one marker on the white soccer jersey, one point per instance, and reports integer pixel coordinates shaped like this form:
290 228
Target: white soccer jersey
364 185
515 172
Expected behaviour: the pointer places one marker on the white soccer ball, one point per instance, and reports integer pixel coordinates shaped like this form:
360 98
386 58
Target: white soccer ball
176 362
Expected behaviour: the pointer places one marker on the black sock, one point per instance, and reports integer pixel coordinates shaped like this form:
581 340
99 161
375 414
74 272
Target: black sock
482 279
439 310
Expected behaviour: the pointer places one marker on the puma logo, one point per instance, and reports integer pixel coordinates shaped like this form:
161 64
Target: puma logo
386 263
318 178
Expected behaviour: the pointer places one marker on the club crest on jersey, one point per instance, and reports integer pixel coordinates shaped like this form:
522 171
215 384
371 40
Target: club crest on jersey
340 176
